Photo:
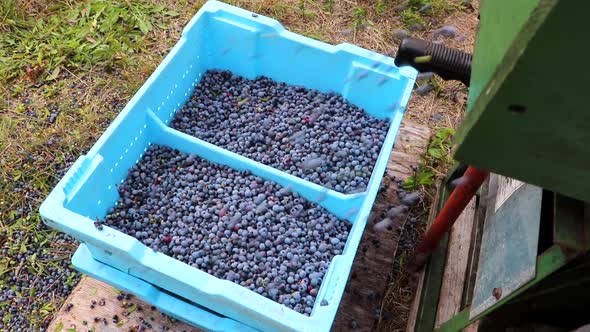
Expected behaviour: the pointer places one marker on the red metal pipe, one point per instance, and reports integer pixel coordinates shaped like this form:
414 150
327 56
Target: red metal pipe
457 201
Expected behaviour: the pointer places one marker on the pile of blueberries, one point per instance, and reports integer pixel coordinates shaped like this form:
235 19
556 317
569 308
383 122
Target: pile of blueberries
230 224
319 137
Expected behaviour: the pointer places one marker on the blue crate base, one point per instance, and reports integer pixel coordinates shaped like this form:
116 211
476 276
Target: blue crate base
224 37
166 303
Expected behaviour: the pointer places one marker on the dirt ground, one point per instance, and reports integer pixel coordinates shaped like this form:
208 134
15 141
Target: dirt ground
65 74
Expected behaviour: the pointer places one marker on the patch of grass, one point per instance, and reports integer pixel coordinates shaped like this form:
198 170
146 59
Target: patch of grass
305 14
436 6
411 18
415 14
78 35
436 160
328 5
359 18
380 7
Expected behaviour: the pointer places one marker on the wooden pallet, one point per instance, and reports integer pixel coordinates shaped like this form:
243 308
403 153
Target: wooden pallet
364 291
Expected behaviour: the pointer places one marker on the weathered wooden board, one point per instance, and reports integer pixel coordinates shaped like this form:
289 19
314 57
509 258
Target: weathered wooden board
111 309
456 263
415 308
360 305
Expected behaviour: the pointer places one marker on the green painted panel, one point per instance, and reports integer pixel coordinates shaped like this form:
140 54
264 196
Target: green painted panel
433 279
531 121
500 21
569 228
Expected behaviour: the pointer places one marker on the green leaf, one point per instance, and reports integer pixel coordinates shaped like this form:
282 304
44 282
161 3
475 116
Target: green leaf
59 327
425 178
435 152
132 308
410 183
12 214
171 13
110 19
54 74
158 8
23 248
144 26
93 292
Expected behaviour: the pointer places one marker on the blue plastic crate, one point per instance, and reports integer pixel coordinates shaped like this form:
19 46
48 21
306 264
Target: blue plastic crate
228 38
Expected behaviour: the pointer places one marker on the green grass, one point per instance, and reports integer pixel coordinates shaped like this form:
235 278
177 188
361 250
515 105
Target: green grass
107 49
380 7
78 35
437 6
359 18
413 16
328 5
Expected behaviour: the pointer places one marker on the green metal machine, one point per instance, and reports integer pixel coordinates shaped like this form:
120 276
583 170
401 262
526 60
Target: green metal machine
527 120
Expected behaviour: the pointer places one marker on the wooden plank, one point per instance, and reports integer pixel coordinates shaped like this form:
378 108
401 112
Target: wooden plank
456 265
432 285
88 290
360 305
414 309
